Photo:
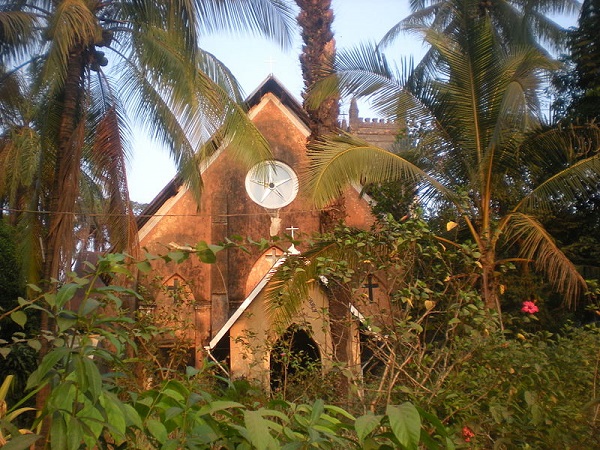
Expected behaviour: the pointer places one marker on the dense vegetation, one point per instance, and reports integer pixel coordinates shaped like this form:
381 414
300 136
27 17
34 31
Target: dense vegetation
490 338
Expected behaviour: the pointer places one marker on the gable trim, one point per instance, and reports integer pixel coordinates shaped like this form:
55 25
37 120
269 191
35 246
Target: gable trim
287 112
167 204
245 304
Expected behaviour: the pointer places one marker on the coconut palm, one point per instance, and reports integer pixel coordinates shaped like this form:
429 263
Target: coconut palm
90 63
484 148
516 22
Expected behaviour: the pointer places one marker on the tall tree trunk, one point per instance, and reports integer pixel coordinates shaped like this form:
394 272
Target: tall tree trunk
489 283
66 171
318 53
316 60
65 188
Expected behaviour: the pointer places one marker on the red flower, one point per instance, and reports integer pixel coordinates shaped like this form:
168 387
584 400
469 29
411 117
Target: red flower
467 434
529 307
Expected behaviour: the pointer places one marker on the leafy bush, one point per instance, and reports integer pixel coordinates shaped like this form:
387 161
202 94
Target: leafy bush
90 407
535 391
437 346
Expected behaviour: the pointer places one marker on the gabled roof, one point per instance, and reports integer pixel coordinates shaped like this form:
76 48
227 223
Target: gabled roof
269 85
246 303
274 86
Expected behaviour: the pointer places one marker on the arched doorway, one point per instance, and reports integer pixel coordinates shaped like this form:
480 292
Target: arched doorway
294 357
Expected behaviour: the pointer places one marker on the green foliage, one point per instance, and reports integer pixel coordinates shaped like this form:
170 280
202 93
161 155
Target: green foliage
483 150
19 438
419 270
92 406
442 351
12 285
535 391
436 344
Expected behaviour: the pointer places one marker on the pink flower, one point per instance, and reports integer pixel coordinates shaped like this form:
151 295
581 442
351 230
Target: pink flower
529 307
467 434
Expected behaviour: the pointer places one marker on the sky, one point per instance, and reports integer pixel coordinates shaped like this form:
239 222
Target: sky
252 60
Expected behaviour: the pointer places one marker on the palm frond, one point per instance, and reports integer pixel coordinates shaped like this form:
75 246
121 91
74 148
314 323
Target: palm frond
107 159
20 157
73 26
421 16
535 244
565 187
18 33
271 18
337 161
291 283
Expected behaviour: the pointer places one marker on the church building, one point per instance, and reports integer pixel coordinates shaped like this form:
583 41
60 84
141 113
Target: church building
220 308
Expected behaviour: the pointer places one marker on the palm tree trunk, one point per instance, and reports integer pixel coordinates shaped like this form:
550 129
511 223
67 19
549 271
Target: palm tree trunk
66 171
62 202
316 60
318 53
489 283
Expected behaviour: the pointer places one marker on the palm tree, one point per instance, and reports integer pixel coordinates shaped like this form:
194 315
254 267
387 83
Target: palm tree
516 22
89 63
483 149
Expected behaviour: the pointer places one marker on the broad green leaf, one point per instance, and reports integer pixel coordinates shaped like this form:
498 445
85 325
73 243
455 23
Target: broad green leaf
74 434
58 432
365 425
171 413
258 430
89 305
35 344
34 287
45 366
65 294
144 266
215 248
19 317
93 377
218 405
317 409
175 395
50 299
177 256
157 430
115 414
132 417
207 256
340 411
22 442
65 320
405 422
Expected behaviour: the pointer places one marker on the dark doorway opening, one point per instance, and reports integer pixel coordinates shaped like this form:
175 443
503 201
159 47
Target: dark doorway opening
294 357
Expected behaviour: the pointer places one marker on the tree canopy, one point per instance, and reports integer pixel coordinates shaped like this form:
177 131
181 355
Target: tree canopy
483 148
84 67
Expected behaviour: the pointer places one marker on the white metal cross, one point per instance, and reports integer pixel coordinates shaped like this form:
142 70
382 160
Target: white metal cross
292 229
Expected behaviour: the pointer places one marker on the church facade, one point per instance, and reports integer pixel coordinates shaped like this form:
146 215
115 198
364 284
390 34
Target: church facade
220 308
